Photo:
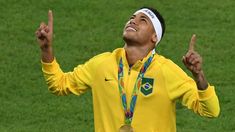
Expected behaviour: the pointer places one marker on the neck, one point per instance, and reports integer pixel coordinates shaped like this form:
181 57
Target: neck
135 53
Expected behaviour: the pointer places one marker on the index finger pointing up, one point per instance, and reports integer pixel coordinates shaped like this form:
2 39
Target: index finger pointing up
192 42
50 20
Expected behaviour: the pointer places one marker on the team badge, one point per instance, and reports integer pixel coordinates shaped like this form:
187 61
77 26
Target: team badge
146 86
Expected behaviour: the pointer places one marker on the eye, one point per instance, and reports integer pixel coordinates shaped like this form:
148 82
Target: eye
144 20
132 17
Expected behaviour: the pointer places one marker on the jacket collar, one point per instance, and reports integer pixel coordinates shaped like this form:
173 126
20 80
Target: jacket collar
137 65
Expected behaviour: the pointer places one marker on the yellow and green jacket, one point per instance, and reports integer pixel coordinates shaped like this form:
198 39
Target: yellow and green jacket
155 106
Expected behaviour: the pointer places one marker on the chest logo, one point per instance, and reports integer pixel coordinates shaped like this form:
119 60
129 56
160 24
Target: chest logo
147 86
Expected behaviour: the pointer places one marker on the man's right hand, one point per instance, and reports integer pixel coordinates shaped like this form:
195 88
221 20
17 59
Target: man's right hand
45 32
44 36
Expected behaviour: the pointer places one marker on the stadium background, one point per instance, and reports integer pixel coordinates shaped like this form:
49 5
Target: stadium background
86 28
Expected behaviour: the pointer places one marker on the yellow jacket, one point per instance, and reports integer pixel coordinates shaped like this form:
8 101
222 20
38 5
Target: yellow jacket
155 107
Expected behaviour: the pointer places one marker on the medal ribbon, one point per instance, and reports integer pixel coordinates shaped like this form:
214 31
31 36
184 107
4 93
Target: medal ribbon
129 113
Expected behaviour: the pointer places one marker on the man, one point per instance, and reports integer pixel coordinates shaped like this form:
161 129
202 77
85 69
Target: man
133 88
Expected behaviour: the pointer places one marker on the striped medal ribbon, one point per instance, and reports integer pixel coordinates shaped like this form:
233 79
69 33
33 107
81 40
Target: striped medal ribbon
129 112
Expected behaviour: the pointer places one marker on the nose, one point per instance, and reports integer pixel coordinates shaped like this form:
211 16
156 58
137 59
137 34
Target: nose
133 21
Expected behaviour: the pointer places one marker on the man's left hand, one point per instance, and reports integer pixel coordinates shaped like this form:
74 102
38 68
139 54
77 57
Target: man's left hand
193 61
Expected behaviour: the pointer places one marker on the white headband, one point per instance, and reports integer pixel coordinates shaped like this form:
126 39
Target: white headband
155 21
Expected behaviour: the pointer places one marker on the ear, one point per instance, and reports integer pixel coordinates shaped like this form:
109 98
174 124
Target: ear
154 38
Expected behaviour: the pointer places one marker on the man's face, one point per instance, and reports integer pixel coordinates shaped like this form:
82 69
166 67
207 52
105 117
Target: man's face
139 29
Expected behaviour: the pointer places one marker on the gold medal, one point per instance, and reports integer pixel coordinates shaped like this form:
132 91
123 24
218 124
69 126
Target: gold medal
126 128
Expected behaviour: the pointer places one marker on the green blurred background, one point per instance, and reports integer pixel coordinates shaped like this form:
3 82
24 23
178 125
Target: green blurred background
86 28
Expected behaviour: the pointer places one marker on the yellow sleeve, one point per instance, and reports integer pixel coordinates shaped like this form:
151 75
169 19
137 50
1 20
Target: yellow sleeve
61 83
180 86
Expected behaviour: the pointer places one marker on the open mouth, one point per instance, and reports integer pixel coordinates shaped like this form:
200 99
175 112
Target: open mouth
131 29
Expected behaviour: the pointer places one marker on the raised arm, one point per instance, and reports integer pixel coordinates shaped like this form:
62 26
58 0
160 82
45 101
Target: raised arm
58 82
193 61
44 36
